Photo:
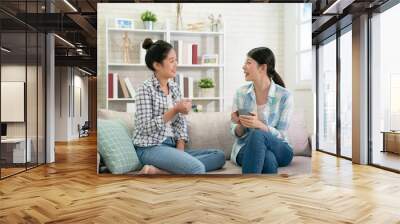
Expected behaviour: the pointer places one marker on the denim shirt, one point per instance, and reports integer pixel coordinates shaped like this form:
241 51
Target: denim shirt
277 112
151 104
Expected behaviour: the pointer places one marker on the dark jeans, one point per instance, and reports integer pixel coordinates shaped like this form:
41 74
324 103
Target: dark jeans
263 153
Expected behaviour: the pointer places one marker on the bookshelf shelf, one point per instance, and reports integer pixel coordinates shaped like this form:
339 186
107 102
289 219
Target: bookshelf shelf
179 66
201 66
137 31
125 65
205 98
187 44
121 99
194 33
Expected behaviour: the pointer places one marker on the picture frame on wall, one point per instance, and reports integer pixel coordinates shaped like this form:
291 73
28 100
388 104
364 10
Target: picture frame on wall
124 23
209 59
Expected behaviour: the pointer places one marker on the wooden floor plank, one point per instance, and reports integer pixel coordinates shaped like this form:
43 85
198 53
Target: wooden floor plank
70 191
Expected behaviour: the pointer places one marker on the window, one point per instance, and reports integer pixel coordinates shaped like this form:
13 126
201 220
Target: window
385 88
327 97
304 51
346 94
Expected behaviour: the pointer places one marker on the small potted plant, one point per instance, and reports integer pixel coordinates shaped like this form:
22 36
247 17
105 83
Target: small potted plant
148 19
206 86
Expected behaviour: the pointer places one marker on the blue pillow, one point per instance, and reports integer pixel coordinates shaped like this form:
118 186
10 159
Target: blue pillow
116 147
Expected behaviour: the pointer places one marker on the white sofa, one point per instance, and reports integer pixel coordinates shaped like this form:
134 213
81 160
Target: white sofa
211 130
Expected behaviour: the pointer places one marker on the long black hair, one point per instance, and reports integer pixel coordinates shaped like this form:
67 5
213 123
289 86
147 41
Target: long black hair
263 55
155 51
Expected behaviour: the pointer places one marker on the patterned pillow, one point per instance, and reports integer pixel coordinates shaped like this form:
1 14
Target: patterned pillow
116 147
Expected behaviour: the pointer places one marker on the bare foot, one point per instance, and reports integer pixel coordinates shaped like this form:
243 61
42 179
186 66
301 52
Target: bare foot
149 169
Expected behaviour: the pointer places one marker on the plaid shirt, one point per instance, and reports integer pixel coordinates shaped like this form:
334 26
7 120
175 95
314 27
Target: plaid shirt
151 104
277 112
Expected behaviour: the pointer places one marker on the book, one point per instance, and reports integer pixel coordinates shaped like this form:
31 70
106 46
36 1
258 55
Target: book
115 85
188 58
176 48
180 52
130 88
179 82
125 93
194 54
185 87
110 85
188 87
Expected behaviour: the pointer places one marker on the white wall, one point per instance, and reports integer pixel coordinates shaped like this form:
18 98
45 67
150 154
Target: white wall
66 120
304 95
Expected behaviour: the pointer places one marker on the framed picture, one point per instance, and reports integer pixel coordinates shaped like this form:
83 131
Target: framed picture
124 23
209 59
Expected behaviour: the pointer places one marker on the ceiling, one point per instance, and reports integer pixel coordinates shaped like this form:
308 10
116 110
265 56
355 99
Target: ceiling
77 22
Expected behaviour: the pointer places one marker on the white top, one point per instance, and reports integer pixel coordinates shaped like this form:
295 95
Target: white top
170 105
260 112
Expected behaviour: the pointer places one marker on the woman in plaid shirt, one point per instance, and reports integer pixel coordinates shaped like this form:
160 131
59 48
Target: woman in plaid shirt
261 111
161 130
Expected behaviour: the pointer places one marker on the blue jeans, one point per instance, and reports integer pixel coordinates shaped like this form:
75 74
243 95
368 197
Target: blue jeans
170 159
263 153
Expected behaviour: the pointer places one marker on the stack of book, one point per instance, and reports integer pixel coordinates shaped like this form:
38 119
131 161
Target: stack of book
119 87
185 85
187 53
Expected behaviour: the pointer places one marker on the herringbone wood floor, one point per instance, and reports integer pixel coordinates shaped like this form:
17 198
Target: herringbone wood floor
70 191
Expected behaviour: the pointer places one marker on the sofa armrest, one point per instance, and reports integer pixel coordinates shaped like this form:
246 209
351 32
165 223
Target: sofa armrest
98 163
308 152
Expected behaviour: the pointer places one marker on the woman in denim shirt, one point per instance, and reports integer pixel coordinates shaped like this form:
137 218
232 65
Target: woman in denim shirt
261 111
160 127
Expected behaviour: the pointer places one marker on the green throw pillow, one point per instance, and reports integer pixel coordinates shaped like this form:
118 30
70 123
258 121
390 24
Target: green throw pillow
116 147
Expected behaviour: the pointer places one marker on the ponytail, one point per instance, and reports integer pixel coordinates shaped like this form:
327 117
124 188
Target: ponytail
263 55
277 78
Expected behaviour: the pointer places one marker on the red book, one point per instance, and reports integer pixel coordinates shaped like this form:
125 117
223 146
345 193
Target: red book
194 54
110 85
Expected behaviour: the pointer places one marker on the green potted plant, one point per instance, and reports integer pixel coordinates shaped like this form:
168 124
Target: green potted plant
206 86
148 19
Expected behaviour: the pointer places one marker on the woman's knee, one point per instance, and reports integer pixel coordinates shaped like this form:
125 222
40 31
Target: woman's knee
287 159
220 157
256 135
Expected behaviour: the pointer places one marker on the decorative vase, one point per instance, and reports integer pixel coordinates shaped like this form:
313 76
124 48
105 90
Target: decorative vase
148 25
206 92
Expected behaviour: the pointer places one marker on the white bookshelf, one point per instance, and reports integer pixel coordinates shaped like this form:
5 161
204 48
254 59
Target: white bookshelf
138 72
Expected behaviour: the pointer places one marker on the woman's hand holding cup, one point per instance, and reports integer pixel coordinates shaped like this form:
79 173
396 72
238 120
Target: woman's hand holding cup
184 106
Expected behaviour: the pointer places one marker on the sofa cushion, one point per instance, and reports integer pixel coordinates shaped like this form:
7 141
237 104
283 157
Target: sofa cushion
127 119
210 130
116 147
